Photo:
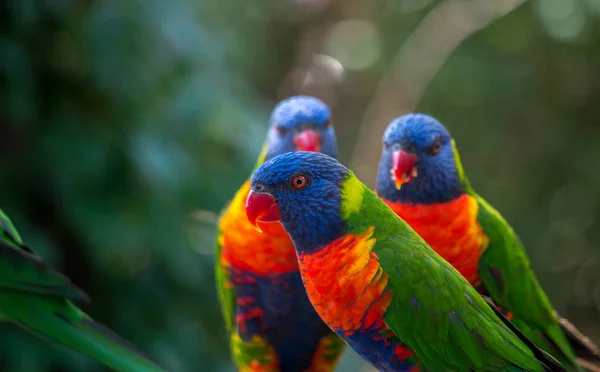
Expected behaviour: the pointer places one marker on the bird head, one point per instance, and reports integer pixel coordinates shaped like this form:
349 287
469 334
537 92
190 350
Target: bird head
301 123
300 190
417 163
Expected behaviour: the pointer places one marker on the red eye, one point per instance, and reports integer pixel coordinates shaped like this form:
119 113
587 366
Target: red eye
436 147
299 182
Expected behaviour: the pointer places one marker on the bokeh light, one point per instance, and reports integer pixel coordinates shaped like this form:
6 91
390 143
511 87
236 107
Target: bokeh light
355 43
563 19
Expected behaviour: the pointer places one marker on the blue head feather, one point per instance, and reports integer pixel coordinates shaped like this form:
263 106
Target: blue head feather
295 114
437 180
311 215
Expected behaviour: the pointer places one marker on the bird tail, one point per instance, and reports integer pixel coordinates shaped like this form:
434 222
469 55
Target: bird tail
588 354
75 330
548 362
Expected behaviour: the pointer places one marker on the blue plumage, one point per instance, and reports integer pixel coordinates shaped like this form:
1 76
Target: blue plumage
294 339
379 352
437 180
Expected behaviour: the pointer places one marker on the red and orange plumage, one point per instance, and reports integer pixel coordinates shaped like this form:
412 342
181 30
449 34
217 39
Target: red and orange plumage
348 288
451 229
269 252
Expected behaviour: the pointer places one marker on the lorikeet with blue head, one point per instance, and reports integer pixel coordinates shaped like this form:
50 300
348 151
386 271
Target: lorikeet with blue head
38 299
421 178
272 325
375 282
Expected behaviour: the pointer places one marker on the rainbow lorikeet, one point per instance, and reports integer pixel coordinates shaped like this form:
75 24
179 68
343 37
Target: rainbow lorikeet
272 325
38 299
375 282
421 178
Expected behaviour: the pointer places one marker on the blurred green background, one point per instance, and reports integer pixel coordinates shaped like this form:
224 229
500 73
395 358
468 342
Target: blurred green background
126 125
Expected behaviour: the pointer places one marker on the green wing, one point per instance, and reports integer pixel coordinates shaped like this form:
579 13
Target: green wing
547 359
34 297
509 280
224 288
434 310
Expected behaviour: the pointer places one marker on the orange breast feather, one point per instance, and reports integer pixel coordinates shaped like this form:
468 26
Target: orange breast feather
269 252
451 229
346 285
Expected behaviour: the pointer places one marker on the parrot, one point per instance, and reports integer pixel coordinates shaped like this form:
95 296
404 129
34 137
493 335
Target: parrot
270 322
421 178
38 299
375 281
